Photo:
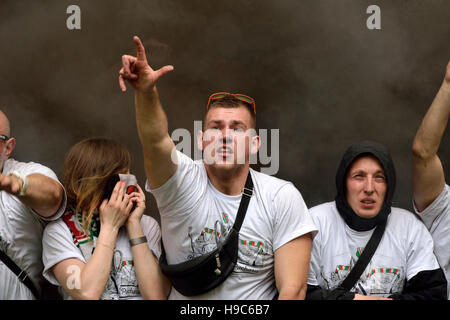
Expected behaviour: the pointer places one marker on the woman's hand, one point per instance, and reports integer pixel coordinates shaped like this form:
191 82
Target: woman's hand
115 211
138 198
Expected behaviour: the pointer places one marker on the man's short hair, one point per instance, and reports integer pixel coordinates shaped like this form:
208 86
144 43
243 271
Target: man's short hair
230 101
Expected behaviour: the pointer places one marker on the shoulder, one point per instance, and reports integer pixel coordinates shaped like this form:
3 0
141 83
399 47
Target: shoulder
323 210
400 214
325 214
149 222
56 229
27 168
407 223
273 186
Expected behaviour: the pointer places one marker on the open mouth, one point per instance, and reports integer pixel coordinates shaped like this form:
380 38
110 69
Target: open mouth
224 151
368 203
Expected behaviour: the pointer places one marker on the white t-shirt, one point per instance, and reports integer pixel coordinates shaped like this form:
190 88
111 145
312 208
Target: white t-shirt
20 234
405 249
436 218
195 216
58 245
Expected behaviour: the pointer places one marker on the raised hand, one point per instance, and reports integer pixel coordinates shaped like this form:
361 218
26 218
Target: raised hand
138 72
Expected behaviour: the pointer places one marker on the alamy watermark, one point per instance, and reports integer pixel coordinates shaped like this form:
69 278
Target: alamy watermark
230 146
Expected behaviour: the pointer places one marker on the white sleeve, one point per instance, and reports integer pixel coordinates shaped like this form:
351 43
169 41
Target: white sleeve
182 192
420 256
57 245
436 218
152 231
292 216
314 266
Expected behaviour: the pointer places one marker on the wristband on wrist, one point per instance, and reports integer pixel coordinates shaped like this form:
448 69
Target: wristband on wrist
24 179
136 241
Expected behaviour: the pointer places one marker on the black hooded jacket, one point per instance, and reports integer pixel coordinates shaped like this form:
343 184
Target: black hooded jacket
354 152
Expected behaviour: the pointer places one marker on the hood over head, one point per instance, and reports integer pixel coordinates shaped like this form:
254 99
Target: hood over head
354 152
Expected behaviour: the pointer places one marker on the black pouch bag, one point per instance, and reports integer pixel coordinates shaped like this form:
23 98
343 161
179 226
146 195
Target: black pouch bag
204 273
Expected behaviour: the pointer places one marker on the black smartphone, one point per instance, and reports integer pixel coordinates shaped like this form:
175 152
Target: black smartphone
130 184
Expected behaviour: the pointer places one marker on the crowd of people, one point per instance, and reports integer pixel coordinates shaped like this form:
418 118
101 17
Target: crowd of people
89 236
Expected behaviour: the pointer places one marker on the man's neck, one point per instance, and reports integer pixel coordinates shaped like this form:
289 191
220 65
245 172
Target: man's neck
229 182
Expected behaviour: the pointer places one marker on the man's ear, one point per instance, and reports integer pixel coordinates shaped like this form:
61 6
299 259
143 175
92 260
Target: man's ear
255 144
200 140
10 145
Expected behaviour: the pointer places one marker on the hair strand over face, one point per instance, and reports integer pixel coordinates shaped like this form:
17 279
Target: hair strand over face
87 167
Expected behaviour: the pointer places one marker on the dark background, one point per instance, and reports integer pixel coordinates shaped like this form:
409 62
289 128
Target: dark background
315 70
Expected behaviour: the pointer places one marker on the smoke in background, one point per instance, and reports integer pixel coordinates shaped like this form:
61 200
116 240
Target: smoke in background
315 70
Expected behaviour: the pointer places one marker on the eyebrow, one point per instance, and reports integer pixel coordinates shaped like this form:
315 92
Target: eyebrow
362 171
233 122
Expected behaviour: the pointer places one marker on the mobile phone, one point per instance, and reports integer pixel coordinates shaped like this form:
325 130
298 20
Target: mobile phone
130 184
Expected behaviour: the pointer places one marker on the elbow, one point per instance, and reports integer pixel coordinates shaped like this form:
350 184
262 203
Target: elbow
293 292
55 199
420 152
85 295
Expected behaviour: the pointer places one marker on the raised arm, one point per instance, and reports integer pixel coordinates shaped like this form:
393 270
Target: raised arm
150 117
428 174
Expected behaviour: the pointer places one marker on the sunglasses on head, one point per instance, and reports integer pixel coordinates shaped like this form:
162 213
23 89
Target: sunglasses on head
239 96
3 137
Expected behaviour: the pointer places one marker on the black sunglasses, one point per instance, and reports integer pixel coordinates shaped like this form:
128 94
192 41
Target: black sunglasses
3 137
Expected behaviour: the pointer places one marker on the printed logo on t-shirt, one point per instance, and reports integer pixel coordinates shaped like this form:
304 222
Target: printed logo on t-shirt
209 237
376 280
122 283
252 256
252 252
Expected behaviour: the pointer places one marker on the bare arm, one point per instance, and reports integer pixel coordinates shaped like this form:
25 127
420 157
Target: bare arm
428 174
150 117
152 282
43 194
292 266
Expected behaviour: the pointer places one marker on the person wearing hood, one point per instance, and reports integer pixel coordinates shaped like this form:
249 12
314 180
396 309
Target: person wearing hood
403 266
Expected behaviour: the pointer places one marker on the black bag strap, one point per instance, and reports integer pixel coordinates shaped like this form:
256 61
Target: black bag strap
243 205
365 257
22 275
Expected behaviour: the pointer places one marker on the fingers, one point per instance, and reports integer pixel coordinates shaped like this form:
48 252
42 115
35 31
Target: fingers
122 83
118 192
126 72
103 205
126 62
163 71
140 50
10 184
140 190
129 206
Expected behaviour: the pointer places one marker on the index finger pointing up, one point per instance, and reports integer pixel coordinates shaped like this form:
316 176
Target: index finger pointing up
140 50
